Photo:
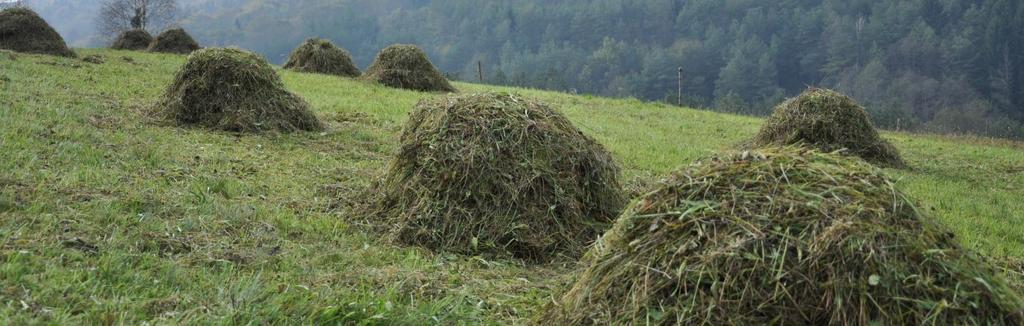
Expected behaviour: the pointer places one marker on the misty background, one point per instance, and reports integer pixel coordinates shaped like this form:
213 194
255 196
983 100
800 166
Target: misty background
948 66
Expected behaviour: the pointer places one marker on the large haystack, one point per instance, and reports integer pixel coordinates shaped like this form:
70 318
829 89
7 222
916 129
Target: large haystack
22 30
406 66
786 236
136 39
501 175
234 90
322 57
828 121
174 41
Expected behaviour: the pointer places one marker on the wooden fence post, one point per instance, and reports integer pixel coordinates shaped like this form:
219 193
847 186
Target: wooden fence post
480 70
679 95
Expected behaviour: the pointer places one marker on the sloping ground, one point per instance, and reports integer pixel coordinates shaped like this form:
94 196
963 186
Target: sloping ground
107 217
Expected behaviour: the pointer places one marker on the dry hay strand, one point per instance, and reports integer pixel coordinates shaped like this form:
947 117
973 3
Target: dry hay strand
234 90
22 30
786 236
322 57
136 40
500 175
173 41
407 67
829 121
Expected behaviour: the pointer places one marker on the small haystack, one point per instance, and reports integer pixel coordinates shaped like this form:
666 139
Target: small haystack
234 90
406 66
22 30
95 59
136 40
174 41
322 57
498 174
828 121
786 236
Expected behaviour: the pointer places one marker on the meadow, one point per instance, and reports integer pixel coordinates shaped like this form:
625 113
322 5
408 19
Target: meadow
108 216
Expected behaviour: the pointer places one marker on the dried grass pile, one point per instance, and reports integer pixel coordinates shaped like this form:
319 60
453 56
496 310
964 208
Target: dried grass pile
829 121
95 59
234 90
136 40
785 236
406 66
22 30
173 41
322 57
500 175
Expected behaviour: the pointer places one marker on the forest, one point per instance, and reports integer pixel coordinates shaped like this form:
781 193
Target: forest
946 66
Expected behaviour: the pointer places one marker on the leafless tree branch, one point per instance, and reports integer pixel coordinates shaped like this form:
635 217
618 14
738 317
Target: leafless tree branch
9 4
117 16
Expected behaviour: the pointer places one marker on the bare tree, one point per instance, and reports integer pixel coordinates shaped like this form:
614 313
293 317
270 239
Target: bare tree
11 3
117 16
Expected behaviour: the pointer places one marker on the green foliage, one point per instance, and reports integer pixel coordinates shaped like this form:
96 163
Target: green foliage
22 30
784 236
321 56
972 118
749 76
500 174
234 90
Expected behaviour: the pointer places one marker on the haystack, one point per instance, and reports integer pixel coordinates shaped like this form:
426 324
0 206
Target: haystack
785 236
95 59
406 66
22 30
234 90
501 175
828 121
322 57
174 41
136 39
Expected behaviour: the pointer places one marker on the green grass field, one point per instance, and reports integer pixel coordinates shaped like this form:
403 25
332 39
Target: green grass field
109 217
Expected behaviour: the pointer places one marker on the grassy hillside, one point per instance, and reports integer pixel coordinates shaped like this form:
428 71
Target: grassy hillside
109 217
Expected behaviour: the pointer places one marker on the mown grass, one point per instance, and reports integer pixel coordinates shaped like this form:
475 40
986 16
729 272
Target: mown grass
107 217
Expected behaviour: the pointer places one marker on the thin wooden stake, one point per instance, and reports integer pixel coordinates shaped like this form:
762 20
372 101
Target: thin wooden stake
679 95
480 70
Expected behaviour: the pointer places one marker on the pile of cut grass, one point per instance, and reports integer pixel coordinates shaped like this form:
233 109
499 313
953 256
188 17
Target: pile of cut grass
498 174
22 30
173 41
136 40
829 121
322 57
234 90
407 67
786 236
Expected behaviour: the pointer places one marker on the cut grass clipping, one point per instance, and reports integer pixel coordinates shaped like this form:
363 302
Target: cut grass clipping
234 90
136 40
501 175
174 41
22 30
406 66
785 236
322 57
829 121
